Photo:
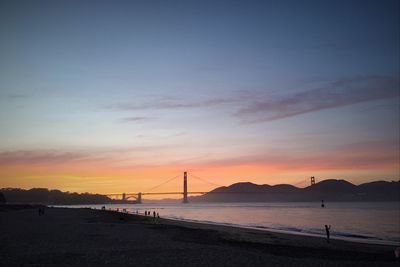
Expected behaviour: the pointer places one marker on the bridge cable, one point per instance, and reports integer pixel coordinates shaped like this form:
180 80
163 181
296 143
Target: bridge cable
204 180
173 178
301 183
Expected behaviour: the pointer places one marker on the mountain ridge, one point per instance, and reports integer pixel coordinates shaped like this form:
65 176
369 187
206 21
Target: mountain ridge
329 190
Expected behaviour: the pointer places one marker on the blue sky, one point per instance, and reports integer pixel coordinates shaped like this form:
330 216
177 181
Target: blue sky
197 83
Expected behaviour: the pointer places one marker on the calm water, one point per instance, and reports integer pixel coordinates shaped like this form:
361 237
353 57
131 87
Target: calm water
365 222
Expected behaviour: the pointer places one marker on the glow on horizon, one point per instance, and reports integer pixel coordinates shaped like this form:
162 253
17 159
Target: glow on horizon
97 176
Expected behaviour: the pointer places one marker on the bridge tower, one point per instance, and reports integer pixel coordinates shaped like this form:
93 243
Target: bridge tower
139 198
312 180
185 192
123 197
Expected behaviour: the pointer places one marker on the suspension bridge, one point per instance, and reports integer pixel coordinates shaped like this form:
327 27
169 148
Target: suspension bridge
137 197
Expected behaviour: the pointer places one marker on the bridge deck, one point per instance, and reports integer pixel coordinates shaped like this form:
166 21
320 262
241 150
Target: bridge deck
181 193
155 193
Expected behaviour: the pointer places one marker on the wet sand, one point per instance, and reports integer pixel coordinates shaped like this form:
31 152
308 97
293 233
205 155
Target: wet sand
85 237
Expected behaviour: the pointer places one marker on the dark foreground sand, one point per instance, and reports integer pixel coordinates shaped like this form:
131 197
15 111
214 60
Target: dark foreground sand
84 237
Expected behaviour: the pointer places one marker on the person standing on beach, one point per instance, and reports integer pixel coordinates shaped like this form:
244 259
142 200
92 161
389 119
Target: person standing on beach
41 211
327 228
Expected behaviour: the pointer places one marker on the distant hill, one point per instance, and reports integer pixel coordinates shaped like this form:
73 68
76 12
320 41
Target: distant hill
328 190
53 197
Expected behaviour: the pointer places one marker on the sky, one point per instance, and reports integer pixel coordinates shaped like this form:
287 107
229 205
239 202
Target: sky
120 96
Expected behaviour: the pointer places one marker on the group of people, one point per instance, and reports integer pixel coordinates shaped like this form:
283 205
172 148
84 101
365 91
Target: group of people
148 213
41 211
122 210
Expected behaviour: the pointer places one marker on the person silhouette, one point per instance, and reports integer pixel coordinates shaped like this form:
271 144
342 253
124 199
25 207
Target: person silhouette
322 204
154 214
327 228
397 252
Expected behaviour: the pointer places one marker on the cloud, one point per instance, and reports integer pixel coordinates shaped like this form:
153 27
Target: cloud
135 119
18 96
170 103
253 106
103 155
37 157
381 155
366 155
335 94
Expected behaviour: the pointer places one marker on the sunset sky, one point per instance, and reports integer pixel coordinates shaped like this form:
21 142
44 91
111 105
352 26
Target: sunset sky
120 96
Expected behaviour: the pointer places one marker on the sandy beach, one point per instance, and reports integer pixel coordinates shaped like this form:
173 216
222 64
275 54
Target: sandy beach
85 237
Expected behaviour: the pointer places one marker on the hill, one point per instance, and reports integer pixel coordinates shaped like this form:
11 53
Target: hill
329 190
53 197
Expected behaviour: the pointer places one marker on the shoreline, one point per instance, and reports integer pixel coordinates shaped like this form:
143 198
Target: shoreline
88 237
344 236
231 228
288 232
241 228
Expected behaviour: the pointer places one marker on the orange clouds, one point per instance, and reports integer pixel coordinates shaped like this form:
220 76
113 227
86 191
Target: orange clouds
102 173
